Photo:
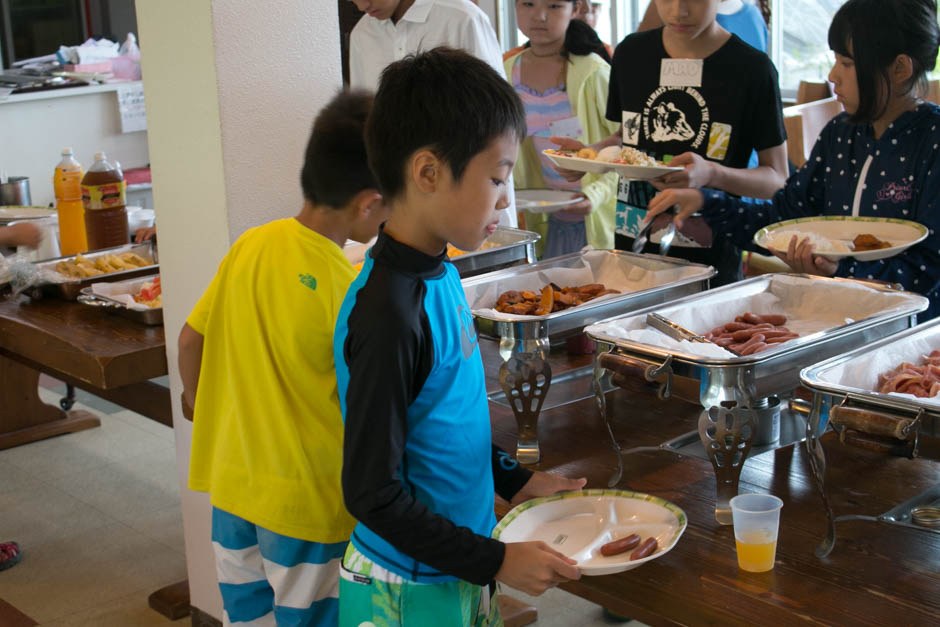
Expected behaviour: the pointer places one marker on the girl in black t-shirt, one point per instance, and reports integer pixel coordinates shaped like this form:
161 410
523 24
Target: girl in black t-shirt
694 95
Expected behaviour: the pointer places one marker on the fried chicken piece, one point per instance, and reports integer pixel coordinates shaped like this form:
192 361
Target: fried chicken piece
546 301
867 241
509 298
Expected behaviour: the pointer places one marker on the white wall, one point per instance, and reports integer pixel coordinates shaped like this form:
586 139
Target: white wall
33 132
232 89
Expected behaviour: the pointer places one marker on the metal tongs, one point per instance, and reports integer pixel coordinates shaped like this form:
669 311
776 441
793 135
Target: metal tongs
664 243
674 330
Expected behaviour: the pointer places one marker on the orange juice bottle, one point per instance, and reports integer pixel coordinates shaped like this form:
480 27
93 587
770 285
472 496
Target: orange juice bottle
67 182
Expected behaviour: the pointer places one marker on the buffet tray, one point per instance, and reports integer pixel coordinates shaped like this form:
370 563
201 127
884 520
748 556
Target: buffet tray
71 289
643 280
854 376
507 246
832 316
152 316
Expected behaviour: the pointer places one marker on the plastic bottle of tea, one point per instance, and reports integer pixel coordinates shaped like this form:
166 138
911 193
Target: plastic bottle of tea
104 197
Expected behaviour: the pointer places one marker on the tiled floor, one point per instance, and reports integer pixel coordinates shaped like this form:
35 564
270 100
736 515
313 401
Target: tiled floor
97 514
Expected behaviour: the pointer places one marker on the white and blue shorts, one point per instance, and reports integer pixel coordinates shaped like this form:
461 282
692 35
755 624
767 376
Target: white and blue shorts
269 579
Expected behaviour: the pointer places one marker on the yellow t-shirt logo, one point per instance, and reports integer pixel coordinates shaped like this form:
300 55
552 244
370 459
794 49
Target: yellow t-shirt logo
308 280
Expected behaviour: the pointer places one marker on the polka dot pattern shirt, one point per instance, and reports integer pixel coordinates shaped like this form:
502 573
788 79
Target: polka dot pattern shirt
851 173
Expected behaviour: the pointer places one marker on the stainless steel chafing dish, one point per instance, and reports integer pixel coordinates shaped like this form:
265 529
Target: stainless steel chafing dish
505 247
525 376
740 394
844 397
70 290
151 316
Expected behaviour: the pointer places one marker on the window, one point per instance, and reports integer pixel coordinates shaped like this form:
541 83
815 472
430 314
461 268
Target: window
33 28
803 54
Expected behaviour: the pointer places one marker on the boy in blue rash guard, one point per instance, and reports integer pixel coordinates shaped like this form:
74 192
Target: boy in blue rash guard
419 468
880 158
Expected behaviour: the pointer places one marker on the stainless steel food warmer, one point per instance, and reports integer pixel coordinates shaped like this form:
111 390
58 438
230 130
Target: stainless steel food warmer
525 376
844 398
742 395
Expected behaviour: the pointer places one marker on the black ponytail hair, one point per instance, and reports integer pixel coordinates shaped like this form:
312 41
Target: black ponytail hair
581 39
873 33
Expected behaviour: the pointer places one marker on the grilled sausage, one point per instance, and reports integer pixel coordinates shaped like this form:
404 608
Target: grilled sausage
774 319
620 546
754 348
782 338
644 550
752 318
737 325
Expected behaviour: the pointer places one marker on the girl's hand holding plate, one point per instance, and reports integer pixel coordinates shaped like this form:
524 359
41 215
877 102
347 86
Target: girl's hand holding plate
567 143
799 256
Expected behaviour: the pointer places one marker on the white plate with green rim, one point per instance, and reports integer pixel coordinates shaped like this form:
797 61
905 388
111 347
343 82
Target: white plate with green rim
633 172
9 213
841 231
577 524
545 200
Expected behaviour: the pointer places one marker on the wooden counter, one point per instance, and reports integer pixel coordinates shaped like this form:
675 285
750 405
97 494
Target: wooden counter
878 573
109 356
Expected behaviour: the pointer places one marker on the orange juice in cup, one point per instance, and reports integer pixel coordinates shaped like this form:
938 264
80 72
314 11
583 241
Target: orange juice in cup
756 522
756 550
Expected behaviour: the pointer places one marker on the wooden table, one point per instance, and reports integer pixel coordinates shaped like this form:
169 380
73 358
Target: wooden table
877 574
109 356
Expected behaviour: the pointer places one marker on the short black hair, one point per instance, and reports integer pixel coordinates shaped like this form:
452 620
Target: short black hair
873 33
444 100
335 166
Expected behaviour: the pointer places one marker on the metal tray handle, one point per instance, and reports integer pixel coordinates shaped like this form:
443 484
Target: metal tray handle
625 368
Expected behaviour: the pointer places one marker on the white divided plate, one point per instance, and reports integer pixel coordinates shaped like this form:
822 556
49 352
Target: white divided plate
577 524
635 172
8 213
544 200
902 234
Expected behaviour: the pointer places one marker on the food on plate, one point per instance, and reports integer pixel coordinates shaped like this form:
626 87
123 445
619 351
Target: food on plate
150 294
780 240
867 241
551 298
645 550
620 546
752 333
83 267
611 154
922 381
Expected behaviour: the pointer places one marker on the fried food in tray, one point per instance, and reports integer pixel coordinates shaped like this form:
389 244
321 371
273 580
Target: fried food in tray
867 241
85 267
552 298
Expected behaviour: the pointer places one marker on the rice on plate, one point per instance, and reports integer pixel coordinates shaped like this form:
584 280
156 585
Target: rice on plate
780 240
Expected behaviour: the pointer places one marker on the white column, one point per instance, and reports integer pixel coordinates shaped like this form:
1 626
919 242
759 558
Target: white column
232 89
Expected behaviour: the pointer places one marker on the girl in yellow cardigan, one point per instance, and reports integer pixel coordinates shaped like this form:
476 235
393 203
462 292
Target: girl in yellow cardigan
561 76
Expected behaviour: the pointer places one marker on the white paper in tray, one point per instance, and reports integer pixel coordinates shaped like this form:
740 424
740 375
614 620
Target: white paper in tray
123 292
596 266
861 373
810 306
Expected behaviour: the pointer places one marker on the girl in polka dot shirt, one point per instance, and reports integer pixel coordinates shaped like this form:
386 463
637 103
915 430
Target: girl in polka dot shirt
880 158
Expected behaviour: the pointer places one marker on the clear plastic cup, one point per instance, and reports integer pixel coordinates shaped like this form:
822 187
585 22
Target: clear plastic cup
756 522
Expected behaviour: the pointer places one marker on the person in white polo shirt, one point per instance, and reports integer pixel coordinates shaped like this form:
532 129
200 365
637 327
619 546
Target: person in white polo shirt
390 30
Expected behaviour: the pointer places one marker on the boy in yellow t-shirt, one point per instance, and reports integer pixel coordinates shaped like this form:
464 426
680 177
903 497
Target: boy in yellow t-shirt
268 434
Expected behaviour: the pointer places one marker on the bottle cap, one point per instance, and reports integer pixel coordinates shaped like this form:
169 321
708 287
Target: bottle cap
100 156
66 151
